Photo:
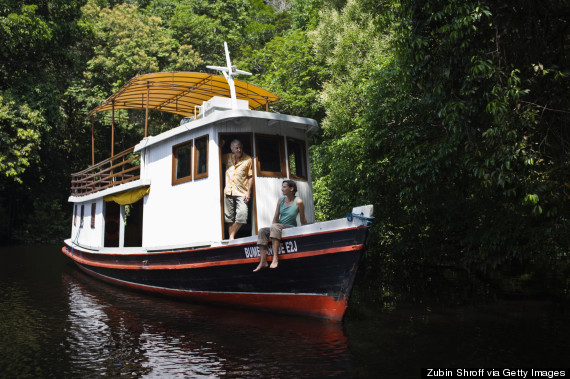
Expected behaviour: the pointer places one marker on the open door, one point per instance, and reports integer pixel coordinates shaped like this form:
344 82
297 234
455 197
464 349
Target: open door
133 224
112 224
124 218
225 140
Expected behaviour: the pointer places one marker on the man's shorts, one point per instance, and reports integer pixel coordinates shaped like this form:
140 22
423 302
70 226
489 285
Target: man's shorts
235 209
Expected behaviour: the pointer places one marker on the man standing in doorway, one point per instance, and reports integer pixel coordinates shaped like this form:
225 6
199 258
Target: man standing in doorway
239 181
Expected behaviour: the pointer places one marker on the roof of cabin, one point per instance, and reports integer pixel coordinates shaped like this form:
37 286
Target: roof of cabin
180 92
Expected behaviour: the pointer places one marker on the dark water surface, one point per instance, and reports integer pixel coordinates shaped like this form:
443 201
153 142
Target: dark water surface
56 322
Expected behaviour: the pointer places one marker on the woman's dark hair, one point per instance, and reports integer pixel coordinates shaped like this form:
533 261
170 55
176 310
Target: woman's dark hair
291 184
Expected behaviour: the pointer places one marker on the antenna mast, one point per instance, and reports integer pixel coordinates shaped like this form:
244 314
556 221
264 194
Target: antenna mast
229 73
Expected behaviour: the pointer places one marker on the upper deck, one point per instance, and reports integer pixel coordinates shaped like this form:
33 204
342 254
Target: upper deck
179 176
119 169
125 167
189 94
168 189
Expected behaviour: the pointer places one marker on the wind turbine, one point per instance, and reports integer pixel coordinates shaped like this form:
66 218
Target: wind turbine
229 73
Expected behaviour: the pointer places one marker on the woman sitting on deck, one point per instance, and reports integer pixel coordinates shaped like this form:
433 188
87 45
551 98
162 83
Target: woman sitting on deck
288 207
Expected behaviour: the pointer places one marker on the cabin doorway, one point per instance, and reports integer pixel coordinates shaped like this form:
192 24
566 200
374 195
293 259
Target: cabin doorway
112 224
123 224
225 140
133 224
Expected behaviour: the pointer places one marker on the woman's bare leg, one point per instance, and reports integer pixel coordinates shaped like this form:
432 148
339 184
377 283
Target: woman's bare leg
262 258
276 245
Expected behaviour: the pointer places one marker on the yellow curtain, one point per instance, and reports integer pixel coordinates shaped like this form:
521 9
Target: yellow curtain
128 197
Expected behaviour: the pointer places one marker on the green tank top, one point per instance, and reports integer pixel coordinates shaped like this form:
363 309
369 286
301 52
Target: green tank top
288 215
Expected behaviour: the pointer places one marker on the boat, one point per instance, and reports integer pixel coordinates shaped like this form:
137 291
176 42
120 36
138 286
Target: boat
150 218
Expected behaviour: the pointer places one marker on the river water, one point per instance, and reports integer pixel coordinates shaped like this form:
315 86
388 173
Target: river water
56 322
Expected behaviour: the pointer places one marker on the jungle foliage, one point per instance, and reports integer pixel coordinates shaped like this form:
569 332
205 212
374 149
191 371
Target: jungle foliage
451 117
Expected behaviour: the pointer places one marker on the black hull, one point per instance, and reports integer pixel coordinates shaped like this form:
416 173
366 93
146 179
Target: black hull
314 277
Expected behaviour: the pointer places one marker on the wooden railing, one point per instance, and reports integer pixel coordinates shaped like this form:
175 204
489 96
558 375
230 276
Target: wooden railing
120 168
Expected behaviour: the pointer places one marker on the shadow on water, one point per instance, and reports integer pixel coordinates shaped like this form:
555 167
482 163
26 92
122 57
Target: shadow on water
57 322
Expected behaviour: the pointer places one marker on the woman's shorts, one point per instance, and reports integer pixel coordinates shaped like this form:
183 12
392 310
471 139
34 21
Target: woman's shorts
274 232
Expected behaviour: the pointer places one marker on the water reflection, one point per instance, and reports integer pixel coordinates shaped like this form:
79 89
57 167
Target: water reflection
21 325
114 332
56 322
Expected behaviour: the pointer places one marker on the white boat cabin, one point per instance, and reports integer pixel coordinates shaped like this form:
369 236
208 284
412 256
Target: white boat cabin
167 191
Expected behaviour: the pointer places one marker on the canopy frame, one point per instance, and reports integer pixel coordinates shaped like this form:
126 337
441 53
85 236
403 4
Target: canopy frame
179 92
176 92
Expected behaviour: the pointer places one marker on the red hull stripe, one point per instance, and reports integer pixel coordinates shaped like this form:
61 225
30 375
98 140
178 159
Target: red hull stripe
139 266
316 305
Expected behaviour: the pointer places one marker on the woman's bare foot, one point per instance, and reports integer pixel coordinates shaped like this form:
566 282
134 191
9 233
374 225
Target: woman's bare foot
260 266
274 263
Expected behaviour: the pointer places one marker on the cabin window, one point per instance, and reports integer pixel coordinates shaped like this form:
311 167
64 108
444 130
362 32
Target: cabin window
75 215
93 211
182 163
82 215
270 156
297 158
201 157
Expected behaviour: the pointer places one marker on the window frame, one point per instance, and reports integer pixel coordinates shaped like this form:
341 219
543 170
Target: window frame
82 215
273 174
197 155
175 148
304 158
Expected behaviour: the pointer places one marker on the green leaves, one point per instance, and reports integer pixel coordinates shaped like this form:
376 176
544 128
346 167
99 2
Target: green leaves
450 116
22 30
348 41
287 67
127 42
532 200
205 25
19 139
466 152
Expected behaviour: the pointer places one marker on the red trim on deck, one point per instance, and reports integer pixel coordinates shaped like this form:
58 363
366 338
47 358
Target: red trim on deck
138 266
316 305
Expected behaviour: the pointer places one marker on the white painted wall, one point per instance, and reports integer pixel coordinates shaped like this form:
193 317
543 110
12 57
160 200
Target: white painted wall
268 189
268 192
87 236
191 213
178 214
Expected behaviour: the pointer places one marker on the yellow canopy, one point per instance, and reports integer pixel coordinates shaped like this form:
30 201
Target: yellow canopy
128 197
180 92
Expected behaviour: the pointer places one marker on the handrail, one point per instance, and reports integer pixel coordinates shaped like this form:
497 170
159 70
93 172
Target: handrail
121 168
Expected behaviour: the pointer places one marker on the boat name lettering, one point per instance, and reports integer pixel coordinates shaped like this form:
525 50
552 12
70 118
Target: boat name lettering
290 246
287 247
251 252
